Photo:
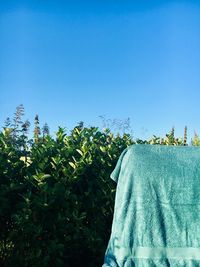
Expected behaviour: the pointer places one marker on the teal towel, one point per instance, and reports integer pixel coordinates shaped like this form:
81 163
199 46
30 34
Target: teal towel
156 219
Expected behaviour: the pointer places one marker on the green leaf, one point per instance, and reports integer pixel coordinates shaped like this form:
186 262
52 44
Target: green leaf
79 151
103 149
72 164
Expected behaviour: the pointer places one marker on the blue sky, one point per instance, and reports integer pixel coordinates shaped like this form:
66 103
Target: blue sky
71 61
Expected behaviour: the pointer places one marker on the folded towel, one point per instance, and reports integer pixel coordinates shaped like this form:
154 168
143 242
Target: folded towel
156 219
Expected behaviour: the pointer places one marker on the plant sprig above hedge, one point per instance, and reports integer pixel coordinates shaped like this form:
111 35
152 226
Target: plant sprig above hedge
56 195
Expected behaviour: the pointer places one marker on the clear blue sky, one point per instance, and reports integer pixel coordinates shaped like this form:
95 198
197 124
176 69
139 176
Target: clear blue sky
71 61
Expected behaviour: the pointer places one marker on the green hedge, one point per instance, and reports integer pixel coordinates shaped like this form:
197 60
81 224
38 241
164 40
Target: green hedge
57 201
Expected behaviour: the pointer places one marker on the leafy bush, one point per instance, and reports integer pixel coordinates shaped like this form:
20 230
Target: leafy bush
56 196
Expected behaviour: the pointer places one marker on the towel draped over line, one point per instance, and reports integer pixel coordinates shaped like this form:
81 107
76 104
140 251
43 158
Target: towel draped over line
156 219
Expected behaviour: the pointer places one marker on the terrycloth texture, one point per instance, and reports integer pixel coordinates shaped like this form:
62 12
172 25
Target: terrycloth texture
156 219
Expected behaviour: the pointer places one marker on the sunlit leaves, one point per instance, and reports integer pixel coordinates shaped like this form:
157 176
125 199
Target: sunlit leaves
53 194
